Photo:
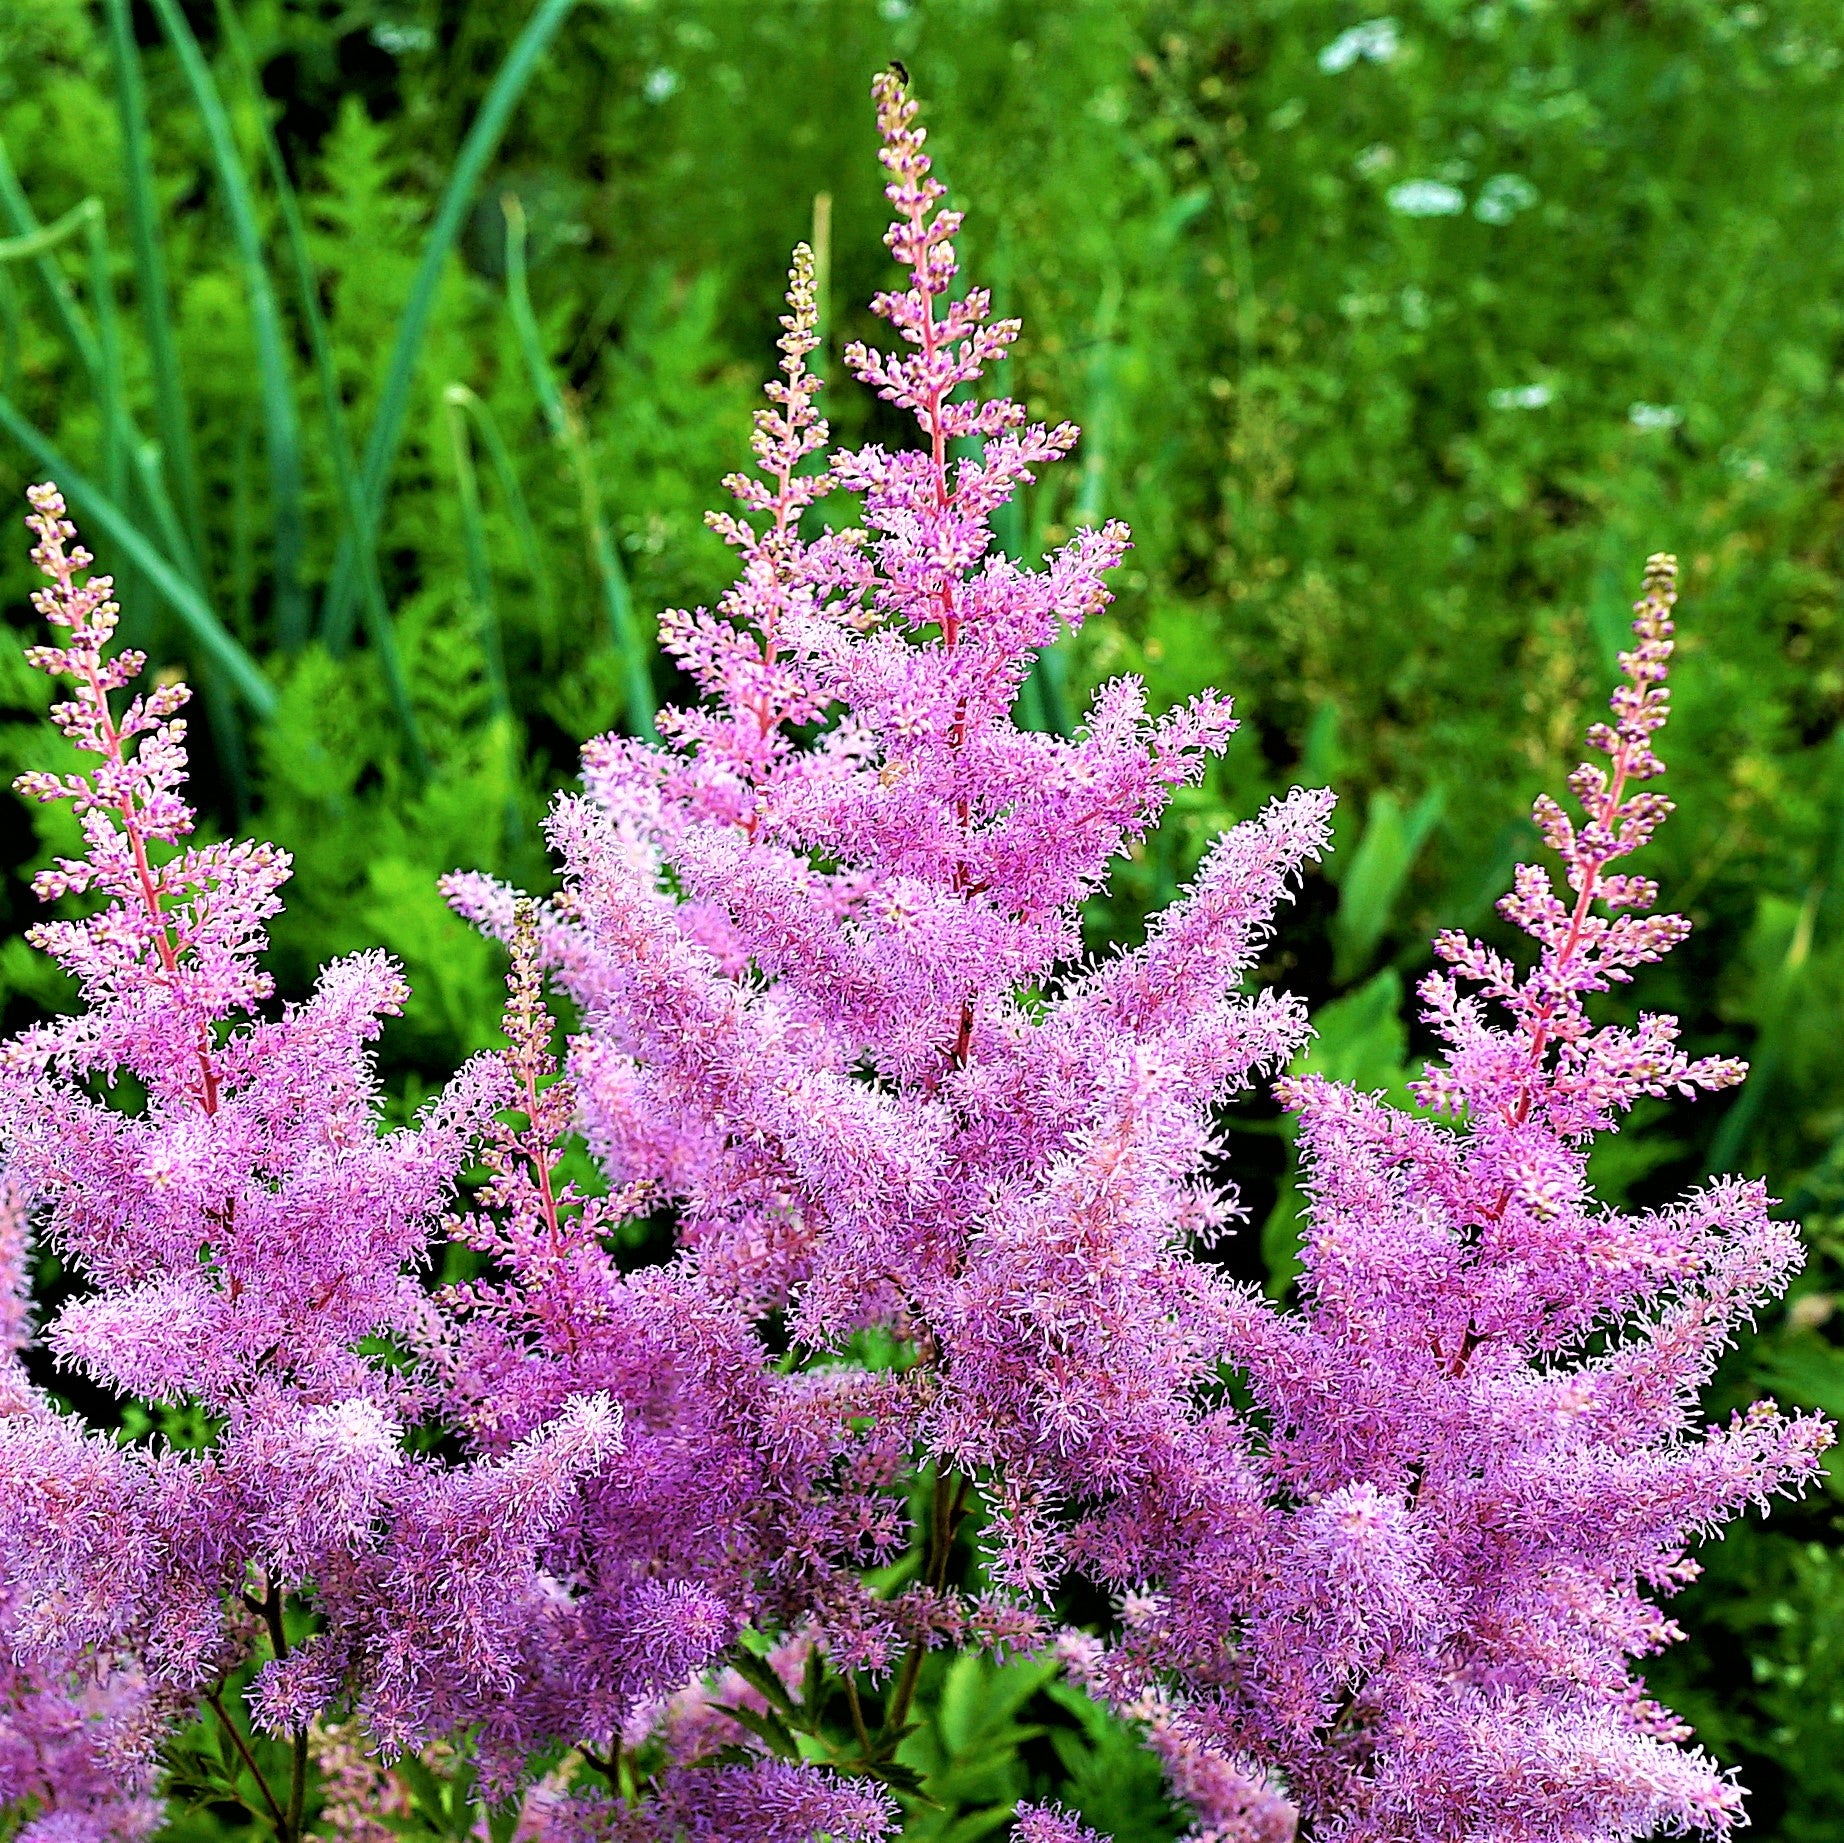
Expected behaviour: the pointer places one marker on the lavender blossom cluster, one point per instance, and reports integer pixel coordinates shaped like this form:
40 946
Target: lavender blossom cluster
664 1550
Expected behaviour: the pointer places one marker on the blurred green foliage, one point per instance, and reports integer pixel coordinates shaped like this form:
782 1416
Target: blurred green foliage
1399 341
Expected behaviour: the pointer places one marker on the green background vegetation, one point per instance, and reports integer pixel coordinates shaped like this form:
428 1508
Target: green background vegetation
1398 348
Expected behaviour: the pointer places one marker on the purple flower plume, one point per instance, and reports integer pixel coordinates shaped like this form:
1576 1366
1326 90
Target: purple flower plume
1423 1584
944 1193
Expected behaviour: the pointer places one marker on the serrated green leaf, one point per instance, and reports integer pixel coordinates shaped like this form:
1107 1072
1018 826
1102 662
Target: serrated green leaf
425 1790
732 1754
905 1779
813 1686
977 1824
760 1675
766 1726
461 1799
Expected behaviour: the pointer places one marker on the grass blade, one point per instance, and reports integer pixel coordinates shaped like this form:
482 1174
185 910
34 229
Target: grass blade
218 645
60 230
1777 1004
153 489
1043 698
567 427
11 337
281 426
243 526
387 428
822 280
170 418
36 241
474 542
1102 408
1052 671
109 359
378 625
118 443
506 476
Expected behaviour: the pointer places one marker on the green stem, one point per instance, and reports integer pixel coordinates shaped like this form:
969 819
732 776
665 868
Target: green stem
947 1504
281 425
480 581
27 232
274 1608
271 1605
297 1790
901 1697
859 1728
216 1698
610 1769
36 243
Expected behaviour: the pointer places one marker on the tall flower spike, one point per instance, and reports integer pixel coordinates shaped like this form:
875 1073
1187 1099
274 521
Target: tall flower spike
248 1227
171 952
1578 1075
1421 1602
243 1230
826 947
75 1729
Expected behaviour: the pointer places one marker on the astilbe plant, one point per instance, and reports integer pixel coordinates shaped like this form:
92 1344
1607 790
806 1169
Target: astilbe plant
943 1195
244 1227
1479 1452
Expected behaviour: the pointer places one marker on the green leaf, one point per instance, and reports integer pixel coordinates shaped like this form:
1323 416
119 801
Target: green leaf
906 1779
813 1684
767 1727
977 1824
760 1675
1804 1371
1385 855
1361 1038
426 1789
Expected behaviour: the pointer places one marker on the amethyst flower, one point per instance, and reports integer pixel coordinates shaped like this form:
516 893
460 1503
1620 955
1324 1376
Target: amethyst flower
825 944
76 1731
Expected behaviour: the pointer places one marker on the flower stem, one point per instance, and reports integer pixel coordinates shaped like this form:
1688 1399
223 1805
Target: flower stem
216 1698
947 1505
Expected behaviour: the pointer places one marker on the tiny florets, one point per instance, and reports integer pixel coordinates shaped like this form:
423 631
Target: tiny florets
662 1550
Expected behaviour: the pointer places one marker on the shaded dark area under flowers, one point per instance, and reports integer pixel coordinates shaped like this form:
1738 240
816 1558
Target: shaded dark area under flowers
1047 1418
